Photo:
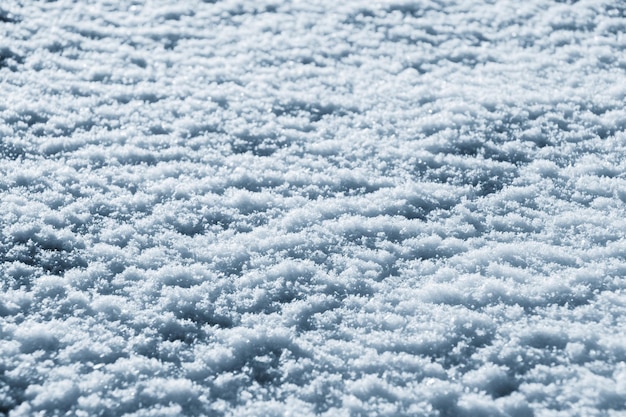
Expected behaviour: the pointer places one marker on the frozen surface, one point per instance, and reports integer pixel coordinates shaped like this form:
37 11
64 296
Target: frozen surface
339 208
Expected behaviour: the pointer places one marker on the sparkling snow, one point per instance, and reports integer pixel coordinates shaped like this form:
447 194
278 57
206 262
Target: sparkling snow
298 208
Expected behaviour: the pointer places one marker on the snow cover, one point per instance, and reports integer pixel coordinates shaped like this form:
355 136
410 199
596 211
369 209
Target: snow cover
339 208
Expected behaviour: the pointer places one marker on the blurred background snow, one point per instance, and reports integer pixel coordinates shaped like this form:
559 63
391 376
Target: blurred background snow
312 208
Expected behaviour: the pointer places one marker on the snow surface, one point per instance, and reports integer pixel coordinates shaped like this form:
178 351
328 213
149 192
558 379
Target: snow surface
339 208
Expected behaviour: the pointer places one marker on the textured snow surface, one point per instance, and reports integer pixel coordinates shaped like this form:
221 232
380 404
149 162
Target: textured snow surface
339 208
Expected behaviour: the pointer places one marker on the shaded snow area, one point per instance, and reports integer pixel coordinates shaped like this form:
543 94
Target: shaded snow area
299 208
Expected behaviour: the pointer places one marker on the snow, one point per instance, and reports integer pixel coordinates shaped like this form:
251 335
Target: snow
237 208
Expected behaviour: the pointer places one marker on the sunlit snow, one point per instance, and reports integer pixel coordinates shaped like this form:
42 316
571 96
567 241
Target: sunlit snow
299 208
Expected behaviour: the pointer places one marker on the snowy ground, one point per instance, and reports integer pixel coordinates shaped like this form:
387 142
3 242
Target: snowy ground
339 208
